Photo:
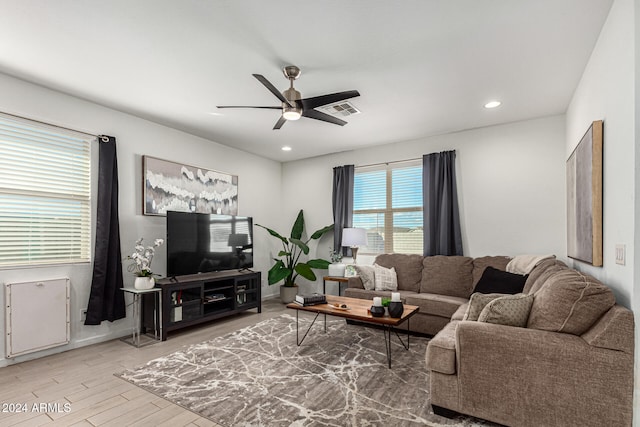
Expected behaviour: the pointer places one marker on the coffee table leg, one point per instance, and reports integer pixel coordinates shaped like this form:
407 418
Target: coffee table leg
387 340
387 343
299 341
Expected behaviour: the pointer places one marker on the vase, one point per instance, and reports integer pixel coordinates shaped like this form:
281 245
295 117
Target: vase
377 310
336 270
144 282
396 309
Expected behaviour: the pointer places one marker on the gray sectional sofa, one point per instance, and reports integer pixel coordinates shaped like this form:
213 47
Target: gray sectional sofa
571 365
439 285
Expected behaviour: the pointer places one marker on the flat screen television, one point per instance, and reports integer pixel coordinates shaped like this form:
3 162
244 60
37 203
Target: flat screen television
201 243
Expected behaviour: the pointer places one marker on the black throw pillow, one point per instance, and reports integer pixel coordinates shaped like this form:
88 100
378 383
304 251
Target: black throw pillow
500 282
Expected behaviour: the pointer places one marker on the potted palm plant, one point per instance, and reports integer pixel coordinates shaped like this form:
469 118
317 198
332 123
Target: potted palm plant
289 265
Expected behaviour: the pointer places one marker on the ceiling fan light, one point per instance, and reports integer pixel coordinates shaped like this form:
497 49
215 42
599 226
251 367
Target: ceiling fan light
291 113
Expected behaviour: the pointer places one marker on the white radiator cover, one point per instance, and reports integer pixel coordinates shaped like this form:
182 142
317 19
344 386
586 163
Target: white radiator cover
36 315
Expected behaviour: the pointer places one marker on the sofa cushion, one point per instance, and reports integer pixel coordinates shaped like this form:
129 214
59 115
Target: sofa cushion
541 273
441 350
408 269
509 310
569 302
438 305
447 275
385 278
481 263
460 312
366 294
494 281
355 282
477 303
367 275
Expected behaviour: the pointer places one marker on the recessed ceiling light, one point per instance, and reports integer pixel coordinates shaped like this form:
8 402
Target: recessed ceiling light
286 148
492 104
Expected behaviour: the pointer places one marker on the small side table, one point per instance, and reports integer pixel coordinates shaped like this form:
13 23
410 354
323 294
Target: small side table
157 315
338 279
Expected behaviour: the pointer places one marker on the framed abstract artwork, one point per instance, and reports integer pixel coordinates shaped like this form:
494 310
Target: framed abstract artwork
584 198
170 186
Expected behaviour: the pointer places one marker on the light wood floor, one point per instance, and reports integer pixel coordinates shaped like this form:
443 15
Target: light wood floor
83 380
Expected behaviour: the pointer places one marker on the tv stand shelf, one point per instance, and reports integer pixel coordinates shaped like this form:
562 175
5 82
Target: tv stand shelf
198 298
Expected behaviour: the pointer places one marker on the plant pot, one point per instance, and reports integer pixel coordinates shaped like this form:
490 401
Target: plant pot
144 282
337 270
288 293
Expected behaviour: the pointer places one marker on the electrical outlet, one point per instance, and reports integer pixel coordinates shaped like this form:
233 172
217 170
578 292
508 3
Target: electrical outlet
620 254
83 314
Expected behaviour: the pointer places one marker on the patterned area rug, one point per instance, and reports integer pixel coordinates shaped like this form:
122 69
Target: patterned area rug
257 376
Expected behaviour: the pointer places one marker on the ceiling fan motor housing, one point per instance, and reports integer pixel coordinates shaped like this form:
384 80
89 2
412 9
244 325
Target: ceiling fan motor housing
289 112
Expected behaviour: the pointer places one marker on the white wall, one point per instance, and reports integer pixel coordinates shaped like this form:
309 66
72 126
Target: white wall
510 185
259 190
606 91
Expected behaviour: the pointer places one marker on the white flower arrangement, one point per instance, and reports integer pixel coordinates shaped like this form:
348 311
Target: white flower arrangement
142 257
336 256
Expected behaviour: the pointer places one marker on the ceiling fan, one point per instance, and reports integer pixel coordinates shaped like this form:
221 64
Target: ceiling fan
294 106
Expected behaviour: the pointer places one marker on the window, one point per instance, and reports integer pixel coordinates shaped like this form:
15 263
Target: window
45 194
387 202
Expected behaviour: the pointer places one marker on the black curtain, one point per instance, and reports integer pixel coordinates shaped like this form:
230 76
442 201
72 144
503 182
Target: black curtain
106 301
342 201
442 235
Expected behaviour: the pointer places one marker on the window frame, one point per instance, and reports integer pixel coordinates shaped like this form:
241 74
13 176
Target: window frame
388 211
78 197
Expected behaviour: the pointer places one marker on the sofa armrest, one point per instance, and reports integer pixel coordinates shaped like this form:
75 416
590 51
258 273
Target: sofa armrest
355 282
530 377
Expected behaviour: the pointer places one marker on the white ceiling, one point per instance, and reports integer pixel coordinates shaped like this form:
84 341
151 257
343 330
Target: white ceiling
422 67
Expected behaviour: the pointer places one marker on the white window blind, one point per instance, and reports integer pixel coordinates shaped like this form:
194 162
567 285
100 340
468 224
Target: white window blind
45 194
388 204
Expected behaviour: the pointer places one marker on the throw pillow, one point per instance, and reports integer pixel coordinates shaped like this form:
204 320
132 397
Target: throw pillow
570 302
500 282
366 274
386 278
509 310
477 302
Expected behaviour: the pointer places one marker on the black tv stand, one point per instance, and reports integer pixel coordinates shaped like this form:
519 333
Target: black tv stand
197 298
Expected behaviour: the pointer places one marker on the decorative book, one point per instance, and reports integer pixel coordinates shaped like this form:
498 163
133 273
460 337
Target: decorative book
311 299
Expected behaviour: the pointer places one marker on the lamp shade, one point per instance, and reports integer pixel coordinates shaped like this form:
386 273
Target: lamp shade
354 237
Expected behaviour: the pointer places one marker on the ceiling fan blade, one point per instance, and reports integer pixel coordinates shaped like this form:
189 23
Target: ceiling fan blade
271 88
279 123
247 106
314 114
319 101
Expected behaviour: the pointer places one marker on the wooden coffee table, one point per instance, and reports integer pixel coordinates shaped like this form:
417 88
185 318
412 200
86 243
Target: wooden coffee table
358 309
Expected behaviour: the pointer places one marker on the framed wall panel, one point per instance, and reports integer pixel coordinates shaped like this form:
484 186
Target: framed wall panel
584 198
171 186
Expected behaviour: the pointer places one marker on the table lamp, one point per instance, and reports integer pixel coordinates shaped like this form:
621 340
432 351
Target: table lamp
353 237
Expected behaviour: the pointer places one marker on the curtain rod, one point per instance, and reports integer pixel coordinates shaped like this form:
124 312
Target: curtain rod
49 124
388 163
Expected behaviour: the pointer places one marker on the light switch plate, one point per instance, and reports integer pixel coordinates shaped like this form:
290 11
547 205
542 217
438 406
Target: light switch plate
620 254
